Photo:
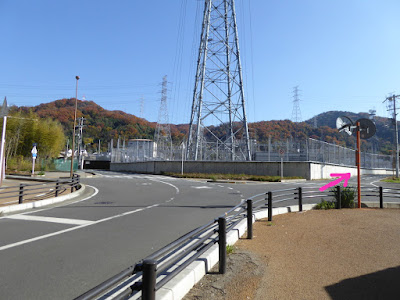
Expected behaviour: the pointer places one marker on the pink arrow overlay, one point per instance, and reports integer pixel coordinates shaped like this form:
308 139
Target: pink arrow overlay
342 176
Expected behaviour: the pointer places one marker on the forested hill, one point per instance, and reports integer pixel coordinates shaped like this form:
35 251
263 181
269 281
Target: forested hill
102 124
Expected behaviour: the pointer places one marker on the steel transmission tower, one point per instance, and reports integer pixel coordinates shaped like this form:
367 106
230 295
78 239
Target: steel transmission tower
296 113
162 135
218 125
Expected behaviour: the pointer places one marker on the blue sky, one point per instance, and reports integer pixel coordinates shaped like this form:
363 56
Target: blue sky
343 54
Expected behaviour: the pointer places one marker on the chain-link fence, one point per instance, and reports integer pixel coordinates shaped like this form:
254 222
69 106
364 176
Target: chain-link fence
286 150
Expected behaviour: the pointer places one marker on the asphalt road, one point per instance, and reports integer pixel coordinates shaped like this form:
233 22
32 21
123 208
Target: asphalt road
61 252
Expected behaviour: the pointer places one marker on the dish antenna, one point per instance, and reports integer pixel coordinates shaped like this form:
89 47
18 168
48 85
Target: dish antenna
345 124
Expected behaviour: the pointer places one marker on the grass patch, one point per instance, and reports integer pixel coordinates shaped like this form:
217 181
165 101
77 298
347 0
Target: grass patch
229 249
391 179
215 177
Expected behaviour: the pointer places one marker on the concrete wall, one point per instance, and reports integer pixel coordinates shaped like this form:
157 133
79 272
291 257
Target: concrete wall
321 171
307 170
254 168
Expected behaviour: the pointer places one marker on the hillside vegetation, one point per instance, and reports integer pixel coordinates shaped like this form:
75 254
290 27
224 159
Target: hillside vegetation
104 125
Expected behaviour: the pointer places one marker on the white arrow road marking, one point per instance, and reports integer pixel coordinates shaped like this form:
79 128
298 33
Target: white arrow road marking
49 219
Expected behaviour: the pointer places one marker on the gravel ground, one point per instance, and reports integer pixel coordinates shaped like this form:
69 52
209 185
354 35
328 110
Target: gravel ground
333 254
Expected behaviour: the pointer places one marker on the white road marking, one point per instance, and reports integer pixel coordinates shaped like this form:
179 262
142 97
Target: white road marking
167 183
96 191
5 247
201 187
229 188
49 219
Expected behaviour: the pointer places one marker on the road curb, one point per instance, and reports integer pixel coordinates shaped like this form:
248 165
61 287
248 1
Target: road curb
182 283
40 203
377 204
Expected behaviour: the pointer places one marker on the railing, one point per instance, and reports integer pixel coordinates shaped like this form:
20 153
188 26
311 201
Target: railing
153 272
38 191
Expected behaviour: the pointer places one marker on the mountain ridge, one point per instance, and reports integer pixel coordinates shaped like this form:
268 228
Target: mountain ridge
104 125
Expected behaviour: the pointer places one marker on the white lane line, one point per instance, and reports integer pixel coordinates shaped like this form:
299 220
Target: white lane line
49 219
5 247
167 183
96 191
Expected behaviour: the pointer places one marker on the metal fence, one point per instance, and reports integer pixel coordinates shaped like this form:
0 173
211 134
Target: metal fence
286 150
38 191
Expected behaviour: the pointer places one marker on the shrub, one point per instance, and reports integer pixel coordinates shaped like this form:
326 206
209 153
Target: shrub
347 196
326 205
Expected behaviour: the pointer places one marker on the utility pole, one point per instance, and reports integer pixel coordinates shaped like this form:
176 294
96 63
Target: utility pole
73 134
80 139
392 100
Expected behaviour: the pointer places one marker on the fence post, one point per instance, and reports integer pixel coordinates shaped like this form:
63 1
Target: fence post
249 219
222 244
300 192
21 193
57 187
269 206
149 280
339 197
381 197
78 180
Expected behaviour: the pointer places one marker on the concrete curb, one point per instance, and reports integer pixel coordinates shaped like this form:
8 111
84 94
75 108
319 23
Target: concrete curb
40 203
385 204
181 284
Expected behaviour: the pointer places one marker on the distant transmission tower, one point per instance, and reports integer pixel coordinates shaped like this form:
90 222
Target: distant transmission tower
218 125
296 113
141 106
162 135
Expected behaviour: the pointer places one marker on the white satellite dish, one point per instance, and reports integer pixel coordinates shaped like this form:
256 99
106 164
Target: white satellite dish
343 124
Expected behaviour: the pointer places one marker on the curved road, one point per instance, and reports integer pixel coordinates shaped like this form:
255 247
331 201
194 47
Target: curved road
61 252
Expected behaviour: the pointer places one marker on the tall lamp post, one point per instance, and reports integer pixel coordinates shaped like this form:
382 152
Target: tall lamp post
73 135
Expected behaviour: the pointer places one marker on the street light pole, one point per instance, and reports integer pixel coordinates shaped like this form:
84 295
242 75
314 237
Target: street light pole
73 135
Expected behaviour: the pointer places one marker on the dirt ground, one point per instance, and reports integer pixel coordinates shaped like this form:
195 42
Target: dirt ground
333 254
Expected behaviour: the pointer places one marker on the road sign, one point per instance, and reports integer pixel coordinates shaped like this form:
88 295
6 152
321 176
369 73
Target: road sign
34 152
281 151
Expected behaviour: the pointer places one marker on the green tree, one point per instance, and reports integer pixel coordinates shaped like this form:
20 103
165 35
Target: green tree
24 129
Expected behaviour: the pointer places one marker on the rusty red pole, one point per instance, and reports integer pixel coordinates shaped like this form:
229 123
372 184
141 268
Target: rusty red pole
358 162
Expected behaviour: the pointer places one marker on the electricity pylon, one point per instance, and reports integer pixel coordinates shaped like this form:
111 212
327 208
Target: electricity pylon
296 113
162 135
218 116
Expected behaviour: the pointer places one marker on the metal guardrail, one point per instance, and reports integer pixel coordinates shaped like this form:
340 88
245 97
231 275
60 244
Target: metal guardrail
39 191
153 272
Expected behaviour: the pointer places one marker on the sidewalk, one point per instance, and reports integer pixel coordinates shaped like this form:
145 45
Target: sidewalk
333 254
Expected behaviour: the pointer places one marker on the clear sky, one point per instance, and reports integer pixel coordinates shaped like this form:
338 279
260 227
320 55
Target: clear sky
343 54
